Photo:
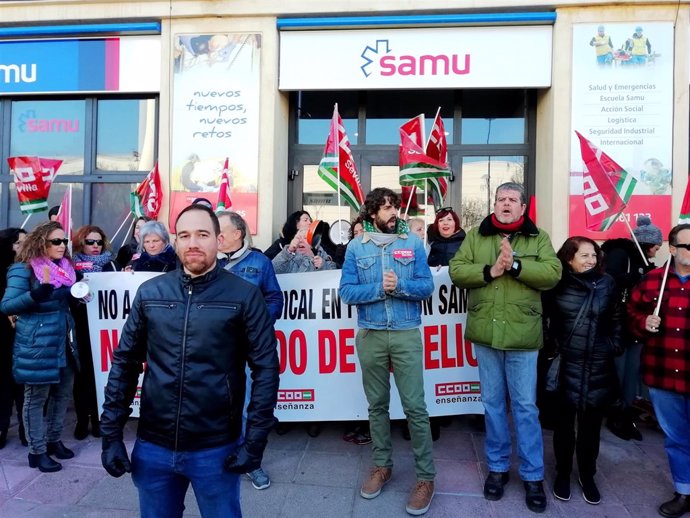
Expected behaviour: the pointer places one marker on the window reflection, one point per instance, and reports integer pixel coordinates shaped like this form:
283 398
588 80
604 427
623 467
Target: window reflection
493 116
320 200
110 208
480 177
315 111
126 134
50 129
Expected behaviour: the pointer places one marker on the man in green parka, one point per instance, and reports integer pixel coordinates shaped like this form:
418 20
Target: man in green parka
506 263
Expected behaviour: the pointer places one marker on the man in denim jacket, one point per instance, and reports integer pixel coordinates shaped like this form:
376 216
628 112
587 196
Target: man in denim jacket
386 276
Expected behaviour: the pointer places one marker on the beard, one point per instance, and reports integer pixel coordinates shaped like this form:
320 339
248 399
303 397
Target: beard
198 264
385 226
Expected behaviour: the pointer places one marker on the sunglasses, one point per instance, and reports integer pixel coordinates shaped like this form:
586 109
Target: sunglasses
444 209
58 242
92 242
683 245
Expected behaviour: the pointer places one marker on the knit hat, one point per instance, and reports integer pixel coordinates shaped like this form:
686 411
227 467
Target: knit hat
647 232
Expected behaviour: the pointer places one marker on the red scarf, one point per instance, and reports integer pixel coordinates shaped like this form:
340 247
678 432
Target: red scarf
507 228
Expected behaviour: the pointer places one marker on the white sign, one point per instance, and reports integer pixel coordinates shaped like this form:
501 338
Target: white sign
467 57
320 376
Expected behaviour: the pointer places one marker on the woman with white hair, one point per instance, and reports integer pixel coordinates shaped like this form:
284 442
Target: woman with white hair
156 254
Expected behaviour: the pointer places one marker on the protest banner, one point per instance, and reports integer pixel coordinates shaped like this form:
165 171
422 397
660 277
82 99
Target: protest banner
320 377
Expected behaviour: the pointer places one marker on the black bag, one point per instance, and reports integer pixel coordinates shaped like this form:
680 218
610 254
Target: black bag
553 373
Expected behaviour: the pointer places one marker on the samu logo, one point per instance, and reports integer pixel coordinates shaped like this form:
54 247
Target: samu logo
410 65
18 73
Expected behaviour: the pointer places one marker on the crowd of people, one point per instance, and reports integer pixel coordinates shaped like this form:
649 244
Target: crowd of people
587 313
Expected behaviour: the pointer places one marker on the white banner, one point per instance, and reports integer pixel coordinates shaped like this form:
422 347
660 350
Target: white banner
320 377
466 57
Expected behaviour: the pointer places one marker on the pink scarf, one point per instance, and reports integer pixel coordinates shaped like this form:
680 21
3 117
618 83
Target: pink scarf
61 274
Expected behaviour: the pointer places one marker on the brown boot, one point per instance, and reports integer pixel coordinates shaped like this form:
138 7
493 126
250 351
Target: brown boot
377 479
420 498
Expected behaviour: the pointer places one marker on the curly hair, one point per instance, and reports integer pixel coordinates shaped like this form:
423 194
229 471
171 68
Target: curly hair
572 245
359 220
36 243
80 235
376 199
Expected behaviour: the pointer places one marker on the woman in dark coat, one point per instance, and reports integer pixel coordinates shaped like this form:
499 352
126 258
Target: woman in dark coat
44 357
156 254
587 346
91 253
127 251
11 393
445 237
298 220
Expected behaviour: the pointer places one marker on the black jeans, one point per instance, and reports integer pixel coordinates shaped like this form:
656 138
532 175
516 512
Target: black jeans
11 393
585 444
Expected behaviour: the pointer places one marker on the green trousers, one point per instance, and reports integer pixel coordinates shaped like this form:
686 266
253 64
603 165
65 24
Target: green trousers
378 351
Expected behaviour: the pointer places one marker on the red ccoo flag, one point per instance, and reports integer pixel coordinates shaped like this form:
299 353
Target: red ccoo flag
224 200
147 199
437 148
532 208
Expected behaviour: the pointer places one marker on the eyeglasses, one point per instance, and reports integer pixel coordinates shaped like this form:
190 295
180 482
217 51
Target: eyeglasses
444 209
58 242
683 245
92 242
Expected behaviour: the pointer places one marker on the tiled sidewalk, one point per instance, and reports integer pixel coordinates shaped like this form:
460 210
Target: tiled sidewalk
320 477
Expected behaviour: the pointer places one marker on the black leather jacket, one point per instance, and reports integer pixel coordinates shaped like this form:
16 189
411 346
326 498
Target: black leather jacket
195 335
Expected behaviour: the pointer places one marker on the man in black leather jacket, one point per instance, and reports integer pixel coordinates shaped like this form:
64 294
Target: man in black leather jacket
195 328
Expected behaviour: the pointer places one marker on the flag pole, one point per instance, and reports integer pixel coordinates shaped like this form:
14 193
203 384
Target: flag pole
637 244
26 220
112 239
426 212
409 199
126 234
663 285
336 141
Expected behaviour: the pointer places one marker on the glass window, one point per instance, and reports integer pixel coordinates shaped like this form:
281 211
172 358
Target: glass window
110 210
126 134
493 116
50 129
320 200
387 111
57 191
314 113
480 177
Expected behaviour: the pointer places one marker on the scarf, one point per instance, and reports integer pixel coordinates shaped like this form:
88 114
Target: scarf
507 228
381 238
91 263
61 272
162 262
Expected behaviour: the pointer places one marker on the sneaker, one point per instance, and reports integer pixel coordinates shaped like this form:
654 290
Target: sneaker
590 491
493 486
561 487
259 479
420 498
374 484
535 498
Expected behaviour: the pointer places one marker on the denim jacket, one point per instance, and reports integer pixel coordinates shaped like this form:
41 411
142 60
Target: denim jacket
361 282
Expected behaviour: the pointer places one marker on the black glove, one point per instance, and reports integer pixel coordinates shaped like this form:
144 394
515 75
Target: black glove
242 461
114 457
42 292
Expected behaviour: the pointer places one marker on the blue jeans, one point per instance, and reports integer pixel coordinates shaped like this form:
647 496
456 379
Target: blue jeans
162 477
673 413
41 430
514 373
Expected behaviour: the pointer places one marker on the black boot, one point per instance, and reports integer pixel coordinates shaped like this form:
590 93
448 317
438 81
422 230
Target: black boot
3 439
59 450
82 429
676 507
43 462
95 426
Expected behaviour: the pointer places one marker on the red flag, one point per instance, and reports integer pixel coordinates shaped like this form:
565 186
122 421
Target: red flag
602 200
415 165
147 199
337 167
32 188
224 200
532 208
437 148
64 215
685 207
49 167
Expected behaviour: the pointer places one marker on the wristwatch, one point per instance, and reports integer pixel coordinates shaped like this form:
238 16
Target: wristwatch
515 265
515 268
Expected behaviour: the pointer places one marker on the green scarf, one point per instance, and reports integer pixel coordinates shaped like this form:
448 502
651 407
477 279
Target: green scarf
400 227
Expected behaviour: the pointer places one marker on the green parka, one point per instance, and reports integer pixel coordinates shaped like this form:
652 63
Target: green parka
505 313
